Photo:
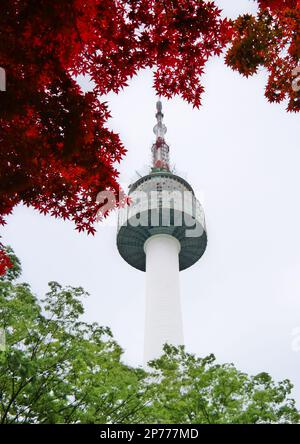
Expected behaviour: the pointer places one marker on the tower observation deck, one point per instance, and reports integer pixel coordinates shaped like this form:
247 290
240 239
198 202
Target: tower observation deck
161 232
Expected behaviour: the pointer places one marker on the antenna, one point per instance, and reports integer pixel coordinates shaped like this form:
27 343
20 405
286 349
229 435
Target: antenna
160 149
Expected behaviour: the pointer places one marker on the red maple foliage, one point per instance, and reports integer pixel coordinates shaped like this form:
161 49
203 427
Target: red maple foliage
56 151
5 262
271 40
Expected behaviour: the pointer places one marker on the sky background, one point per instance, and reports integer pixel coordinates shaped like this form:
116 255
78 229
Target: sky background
241 301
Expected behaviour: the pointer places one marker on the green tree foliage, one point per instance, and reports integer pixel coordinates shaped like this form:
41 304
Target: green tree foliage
56 368
200 391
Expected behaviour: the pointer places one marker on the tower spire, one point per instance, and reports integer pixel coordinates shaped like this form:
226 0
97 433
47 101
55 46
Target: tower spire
160 149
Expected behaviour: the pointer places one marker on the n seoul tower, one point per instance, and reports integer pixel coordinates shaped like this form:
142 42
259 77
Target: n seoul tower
161 232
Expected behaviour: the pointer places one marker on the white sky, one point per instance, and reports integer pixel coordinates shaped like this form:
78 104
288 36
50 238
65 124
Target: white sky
241 154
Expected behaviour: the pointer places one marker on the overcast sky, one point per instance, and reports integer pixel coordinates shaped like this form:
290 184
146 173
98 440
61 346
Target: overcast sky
241 154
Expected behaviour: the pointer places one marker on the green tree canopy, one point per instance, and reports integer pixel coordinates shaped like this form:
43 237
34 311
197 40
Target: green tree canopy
56 368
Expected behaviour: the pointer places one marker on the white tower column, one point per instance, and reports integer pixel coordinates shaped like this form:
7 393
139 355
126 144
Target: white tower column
163 320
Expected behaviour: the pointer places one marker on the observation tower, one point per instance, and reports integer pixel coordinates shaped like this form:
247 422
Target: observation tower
161 232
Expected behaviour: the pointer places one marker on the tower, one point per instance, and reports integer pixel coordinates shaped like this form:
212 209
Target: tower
161 232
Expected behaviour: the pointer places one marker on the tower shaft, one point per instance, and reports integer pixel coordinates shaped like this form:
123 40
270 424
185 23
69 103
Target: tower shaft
163 320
